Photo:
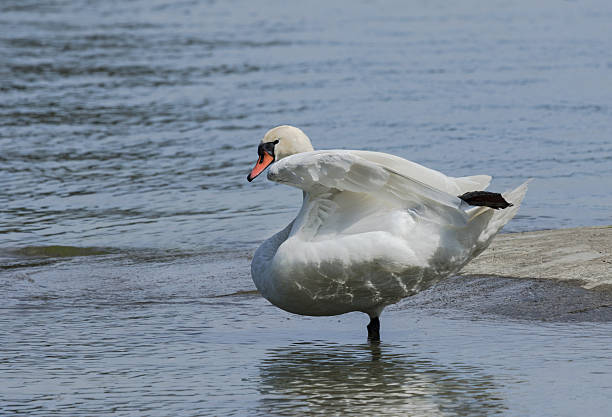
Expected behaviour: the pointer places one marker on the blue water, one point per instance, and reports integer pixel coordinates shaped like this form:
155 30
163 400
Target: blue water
134 124
126 133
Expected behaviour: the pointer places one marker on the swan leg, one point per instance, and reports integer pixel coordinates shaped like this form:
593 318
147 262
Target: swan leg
374 329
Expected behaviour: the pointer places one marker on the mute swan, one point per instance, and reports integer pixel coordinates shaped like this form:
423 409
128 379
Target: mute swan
373 228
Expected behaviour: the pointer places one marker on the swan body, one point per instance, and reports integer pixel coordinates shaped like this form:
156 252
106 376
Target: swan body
373 228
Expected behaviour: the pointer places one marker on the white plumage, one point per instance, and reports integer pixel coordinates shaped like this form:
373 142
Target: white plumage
373 228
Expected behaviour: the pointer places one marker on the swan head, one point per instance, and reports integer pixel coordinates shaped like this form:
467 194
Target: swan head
277 144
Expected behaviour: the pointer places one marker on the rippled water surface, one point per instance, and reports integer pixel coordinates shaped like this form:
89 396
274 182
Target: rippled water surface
148 333
127 225
135 123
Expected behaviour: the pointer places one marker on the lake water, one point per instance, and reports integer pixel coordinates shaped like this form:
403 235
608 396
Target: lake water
127 224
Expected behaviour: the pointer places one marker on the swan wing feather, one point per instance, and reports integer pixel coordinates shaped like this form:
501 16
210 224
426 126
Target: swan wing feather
320 171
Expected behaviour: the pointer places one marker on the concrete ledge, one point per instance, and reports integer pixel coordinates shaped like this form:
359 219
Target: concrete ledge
580 255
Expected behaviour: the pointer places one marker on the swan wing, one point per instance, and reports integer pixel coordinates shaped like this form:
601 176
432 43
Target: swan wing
431 177
321 171
363 191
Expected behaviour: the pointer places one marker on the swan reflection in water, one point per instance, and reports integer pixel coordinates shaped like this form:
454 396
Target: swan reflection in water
374 379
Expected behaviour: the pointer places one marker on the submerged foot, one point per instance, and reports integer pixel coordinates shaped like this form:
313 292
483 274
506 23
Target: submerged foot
485 198
374 329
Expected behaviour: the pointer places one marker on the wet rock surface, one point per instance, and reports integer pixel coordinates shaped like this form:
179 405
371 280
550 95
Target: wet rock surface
515 298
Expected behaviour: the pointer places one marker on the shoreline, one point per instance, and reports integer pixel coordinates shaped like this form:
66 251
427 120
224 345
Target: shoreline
580 256
562 275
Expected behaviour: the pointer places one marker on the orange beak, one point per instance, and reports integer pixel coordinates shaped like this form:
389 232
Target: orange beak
262 163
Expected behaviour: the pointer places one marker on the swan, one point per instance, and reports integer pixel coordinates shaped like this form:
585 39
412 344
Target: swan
373 227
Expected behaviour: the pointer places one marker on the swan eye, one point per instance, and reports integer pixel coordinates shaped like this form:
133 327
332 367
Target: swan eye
267 147
276 141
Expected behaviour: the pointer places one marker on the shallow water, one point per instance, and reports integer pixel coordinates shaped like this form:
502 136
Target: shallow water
156 335
126 222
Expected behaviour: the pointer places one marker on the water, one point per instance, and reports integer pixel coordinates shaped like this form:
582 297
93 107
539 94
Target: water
126 133
135 124
148 334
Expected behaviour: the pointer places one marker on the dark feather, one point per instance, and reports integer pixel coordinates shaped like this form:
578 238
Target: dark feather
485 198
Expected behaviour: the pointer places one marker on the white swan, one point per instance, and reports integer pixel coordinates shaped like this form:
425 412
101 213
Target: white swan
373 228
